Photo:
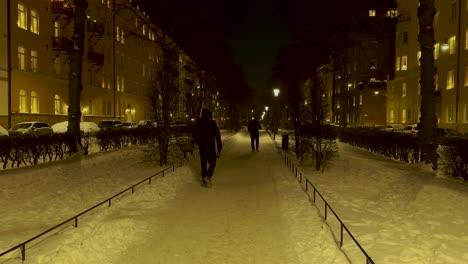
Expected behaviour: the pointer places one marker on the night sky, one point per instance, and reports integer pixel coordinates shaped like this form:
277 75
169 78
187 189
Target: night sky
257 35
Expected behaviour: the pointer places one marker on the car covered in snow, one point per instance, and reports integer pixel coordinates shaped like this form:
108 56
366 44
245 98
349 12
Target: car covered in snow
31 128
86 128
3 132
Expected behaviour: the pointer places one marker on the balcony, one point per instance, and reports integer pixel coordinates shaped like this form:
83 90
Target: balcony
62 8
95 28
189 81
95 58
61 44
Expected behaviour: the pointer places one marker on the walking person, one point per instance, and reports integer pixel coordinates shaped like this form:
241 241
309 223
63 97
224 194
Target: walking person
208 139
253 127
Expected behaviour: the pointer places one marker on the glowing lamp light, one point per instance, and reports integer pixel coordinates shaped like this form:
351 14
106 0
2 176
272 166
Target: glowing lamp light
276 92
266 108
376 92
444 47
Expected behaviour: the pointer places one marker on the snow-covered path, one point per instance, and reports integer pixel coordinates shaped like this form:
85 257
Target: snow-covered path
254 213
241 219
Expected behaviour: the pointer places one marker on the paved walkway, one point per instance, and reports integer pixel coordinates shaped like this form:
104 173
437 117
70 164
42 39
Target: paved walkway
240 219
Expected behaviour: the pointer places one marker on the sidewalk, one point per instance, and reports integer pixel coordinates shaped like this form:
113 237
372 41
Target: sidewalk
255 212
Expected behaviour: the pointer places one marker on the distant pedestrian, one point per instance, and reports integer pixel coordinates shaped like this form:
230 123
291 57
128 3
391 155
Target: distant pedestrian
208 139
254 127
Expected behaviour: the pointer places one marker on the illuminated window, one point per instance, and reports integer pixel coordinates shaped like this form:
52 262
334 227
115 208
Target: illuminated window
22 21
34 60
436 51
403 90
22 101
466 38
56 28
34 27
122 36
404 63
450 113
419 58
466 77
354 100
436 82
397 64
103 83
391 118
57 104
109 3
450 79
143 29
372 13
57 66
403 116
452 44
21 58
453 10
360 99
34 102
117 33
118 83
122 85
392 12
338 104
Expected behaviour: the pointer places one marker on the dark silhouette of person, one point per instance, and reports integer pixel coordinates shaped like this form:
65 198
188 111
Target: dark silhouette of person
208 139
253 127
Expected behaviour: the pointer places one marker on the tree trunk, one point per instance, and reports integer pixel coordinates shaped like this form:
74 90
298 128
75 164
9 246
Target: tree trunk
428 120
76 66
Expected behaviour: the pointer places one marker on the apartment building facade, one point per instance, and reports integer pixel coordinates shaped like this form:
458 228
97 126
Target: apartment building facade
451 63
120 62
362 73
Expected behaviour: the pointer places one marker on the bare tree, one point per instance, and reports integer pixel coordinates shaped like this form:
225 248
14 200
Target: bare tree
164 92
428 120
75 85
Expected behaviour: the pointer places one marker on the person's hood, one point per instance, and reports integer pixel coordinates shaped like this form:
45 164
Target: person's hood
206 114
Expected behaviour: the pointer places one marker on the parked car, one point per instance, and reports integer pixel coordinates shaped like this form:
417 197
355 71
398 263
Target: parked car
3 132
85 127
128 124
146 123
109 124
448 132
394 127
411 129
32 128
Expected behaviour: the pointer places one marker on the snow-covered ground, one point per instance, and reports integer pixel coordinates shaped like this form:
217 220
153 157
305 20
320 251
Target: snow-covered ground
399 213
254 213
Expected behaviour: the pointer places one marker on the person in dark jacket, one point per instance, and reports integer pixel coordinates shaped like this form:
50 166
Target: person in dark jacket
208 139
253 127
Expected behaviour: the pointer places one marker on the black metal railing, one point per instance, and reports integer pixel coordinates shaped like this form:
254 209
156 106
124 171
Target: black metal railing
301 178
95 27
62 7
61 43
22 245
95 58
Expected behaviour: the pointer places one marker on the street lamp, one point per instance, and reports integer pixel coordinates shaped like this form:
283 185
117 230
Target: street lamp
276 92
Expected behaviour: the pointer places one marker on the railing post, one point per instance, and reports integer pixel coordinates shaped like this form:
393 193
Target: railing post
326 206
23 251
76 221
341 239
314 194
109 202
149 180
307 184
132 189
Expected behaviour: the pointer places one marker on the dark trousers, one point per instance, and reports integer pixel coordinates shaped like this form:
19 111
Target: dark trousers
252 140
207 159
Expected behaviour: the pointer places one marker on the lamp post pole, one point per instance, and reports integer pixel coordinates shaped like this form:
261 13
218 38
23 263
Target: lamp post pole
276 92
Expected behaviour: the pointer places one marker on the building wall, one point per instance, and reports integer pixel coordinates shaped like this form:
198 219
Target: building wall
451 100
115 85
3 65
